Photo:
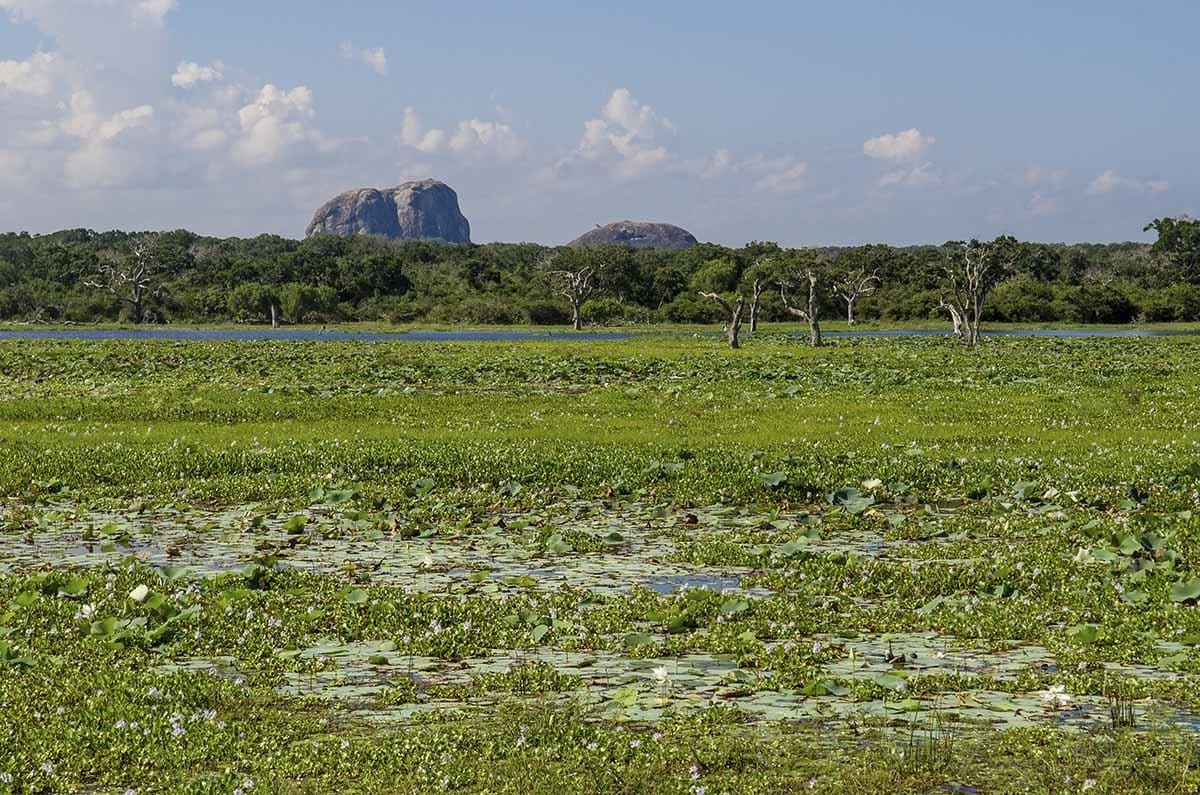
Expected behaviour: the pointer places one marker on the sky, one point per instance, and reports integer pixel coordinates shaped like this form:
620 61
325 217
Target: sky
797 122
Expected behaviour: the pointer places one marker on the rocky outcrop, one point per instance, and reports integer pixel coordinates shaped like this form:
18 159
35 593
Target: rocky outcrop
424 210
637 234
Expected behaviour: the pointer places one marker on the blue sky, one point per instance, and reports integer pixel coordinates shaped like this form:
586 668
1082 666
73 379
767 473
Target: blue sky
804 123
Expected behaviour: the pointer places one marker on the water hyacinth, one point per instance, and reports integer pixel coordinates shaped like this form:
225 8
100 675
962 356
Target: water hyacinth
947 585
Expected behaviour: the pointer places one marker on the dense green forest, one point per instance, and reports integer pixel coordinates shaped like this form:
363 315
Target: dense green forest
83 276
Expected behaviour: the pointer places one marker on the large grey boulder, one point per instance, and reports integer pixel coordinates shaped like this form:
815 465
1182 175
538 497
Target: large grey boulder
423 210
637 234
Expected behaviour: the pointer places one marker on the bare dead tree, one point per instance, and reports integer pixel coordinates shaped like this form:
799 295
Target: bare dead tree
971 270
855 285
132 277
810 313
575 284
735 310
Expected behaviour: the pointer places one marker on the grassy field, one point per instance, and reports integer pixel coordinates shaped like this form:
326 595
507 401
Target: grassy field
643 565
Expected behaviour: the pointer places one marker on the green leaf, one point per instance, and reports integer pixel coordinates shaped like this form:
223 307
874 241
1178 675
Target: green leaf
733 606
635 639
1186 591
295 525
76 586
773 480
356 596
1086 634
26 598
557 545
538 633
625 698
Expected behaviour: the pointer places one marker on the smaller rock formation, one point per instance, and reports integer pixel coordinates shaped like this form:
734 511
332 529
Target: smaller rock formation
637 234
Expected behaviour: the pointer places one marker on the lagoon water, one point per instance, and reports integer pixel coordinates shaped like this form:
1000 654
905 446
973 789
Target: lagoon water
315 335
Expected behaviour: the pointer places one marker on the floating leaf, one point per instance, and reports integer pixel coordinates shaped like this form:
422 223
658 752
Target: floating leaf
773 480
636 639
356 596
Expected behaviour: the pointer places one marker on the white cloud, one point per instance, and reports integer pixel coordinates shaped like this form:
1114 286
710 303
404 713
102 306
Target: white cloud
189 73
375 58
477 137
472 138
625 134
82 121
274 122
915 177
36 77
136 11
412 134
786 174
100 160
788 178
1110 181
154 10
898 147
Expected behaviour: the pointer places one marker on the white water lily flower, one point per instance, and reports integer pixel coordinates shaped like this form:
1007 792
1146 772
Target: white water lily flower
1055 696
139 593
872 484
661 674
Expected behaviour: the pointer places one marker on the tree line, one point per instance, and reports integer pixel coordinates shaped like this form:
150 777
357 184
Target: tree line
82 276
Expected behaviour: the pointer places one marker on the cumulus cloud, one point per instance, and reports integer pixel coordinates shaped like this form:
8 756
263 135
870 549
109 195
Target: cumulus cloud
375 58
1110 181
83 121
99 160
36 77
898 147
625 134
274 122
412 133
471 138
475 137
189 73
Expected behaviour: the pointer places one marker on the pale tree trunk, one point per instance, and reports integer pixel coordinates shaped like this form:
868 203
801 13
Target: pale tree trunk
810 314
274 316
956 317
136 308
850 313
759 286
734 326
576 318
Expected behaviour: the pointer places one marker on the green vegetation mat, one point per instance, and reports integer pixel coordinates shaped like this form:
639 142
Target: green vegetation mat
645 565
